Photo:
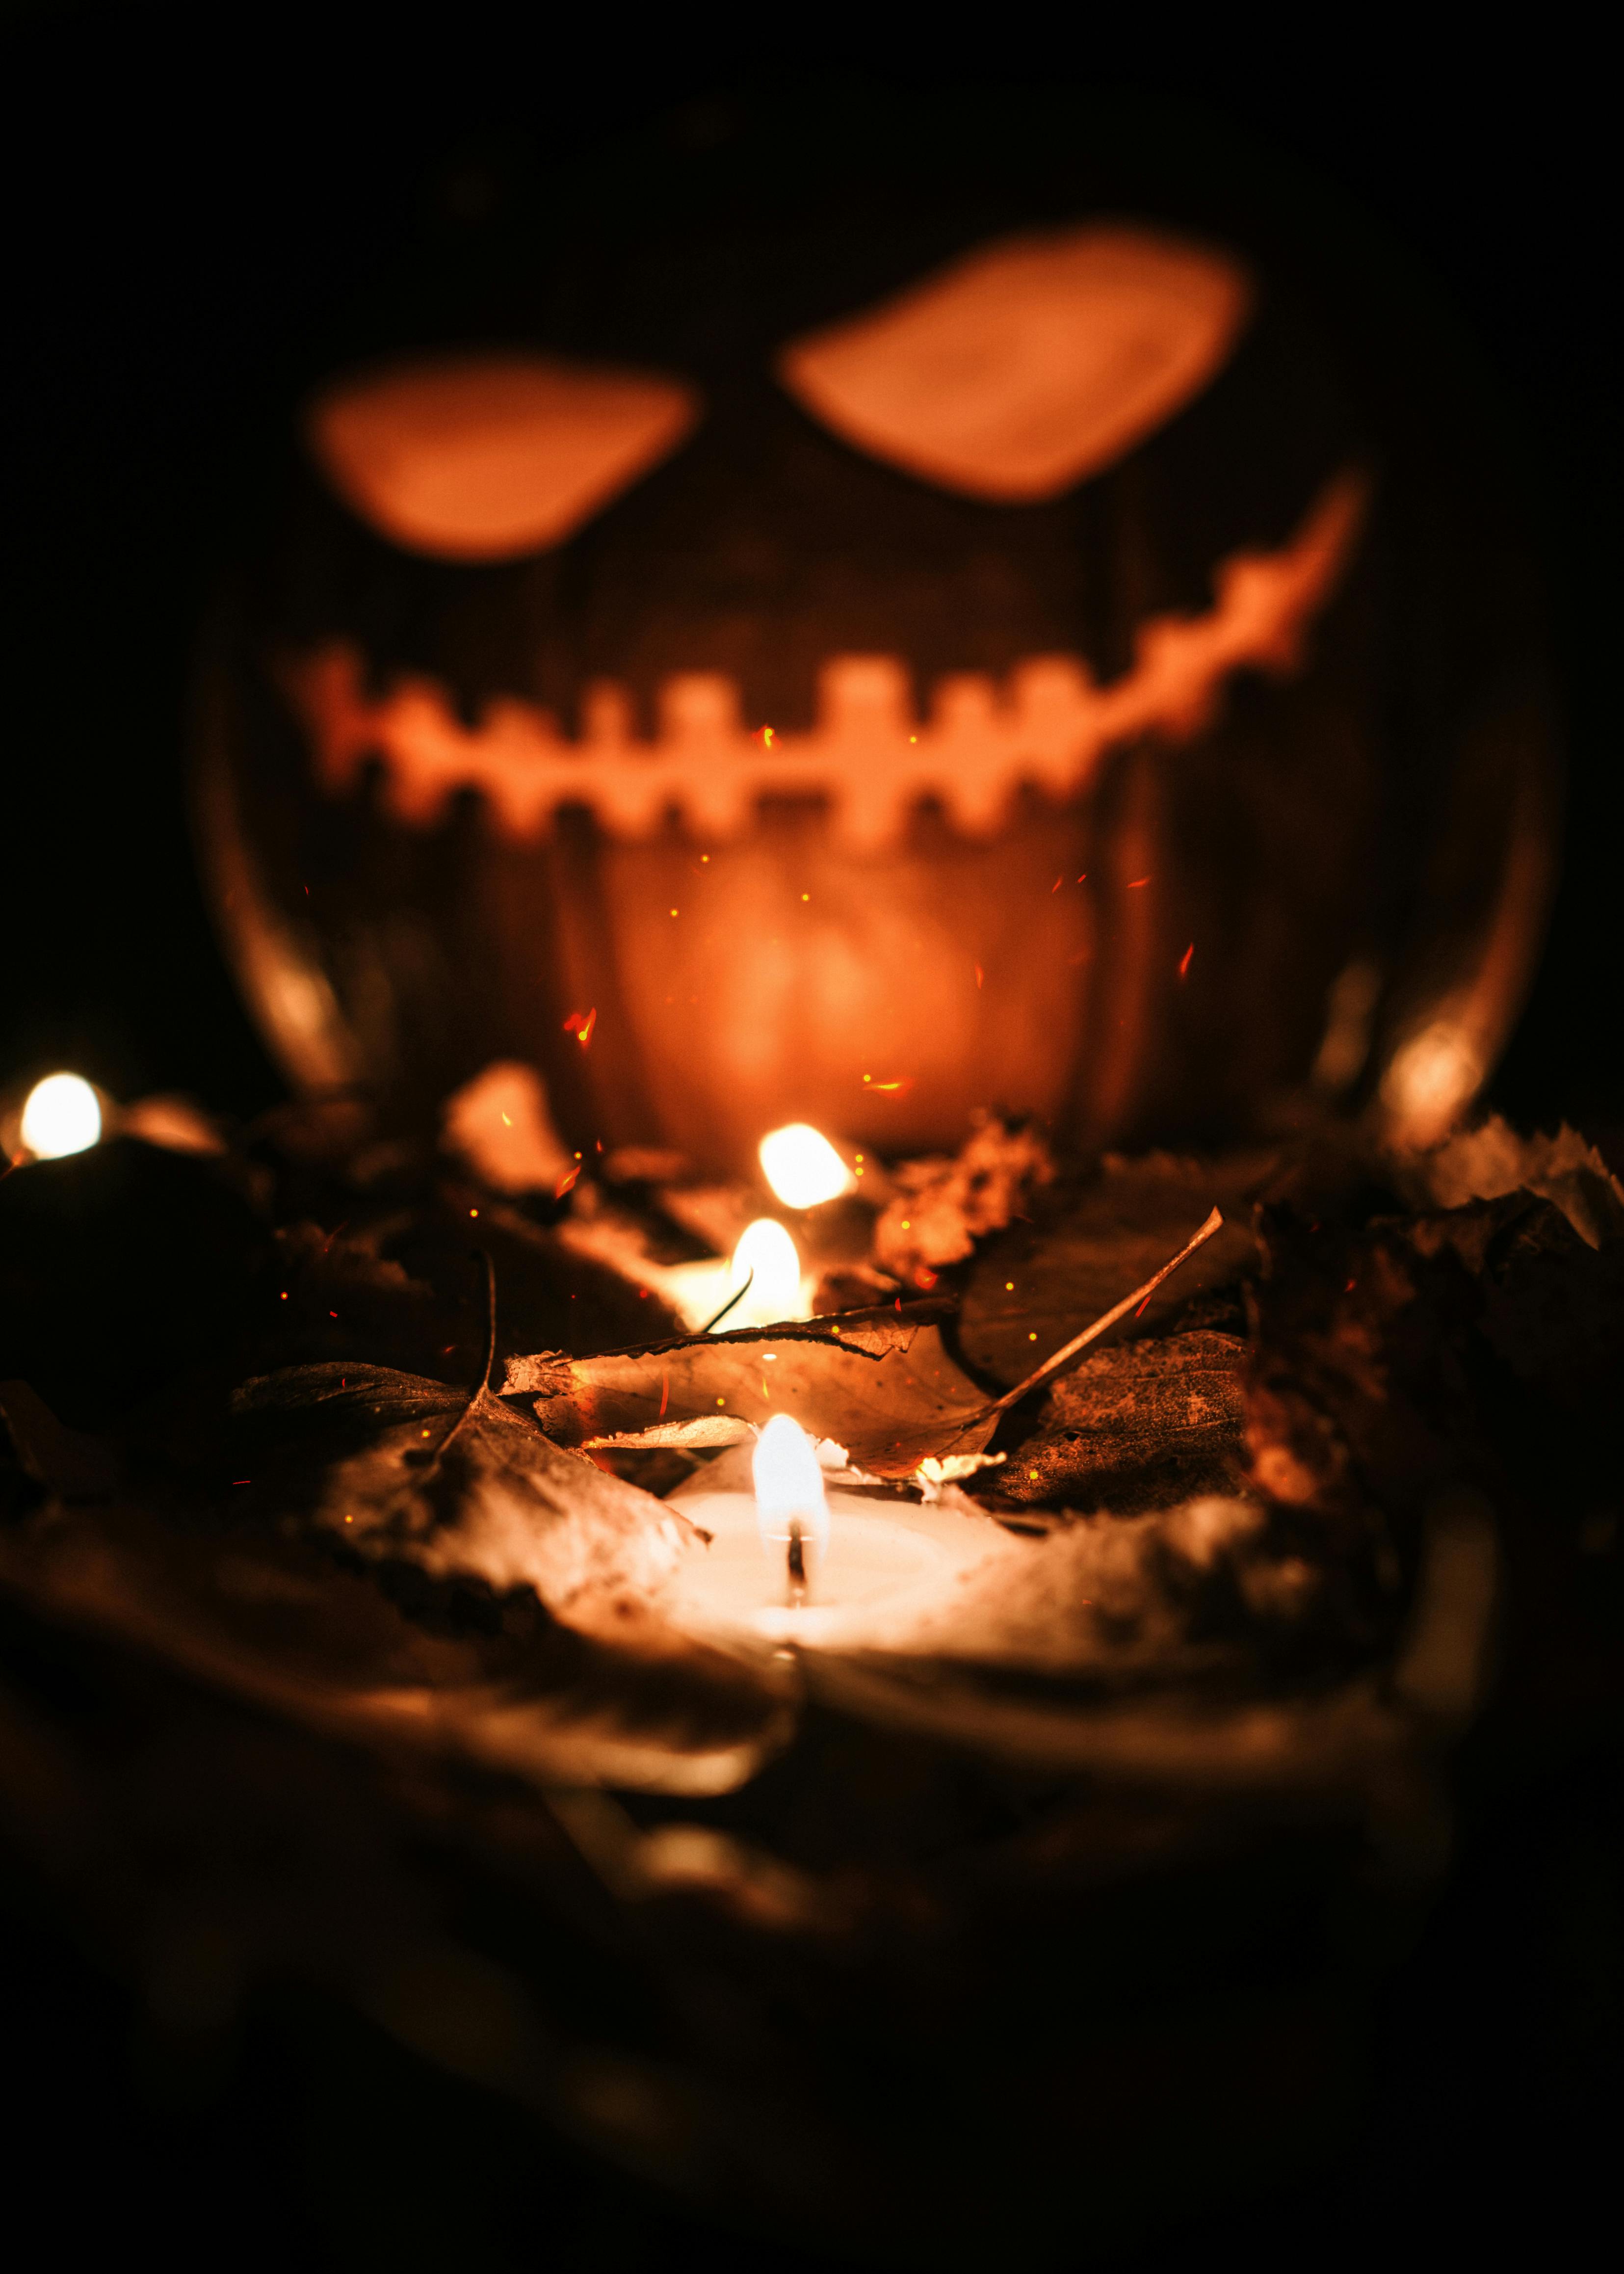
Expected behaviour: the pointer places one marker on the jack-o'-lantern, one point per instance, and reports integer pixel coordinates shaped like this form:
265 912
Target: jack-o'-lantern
858 626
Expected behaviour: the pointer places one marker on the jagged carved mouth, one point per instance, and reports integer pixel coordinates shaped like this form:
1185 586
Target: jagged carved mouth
867 756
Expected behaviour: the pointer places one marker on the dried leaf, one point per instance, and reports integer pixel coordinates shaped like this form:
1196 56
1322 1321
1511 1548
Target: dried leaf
399 1467
278 1622
1087 1243
1142 1426
876 1382
490 1593
944 1206
1491 1161
881 1384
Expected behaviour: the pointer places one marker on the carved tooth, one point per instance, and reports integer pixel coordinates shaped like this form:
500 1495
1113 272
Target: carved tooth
699 711
606 715
866 694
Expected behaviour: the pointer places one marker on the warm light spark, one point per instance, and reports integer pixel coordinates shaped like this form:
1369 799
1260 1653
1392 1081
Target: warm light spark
1184 960
802 1167
580 1024
63 1115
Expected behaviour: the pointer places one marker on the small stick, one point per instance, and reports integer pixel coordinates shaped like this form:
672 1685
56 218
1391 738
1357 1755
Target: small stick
737 1296
1118 1311
797 1566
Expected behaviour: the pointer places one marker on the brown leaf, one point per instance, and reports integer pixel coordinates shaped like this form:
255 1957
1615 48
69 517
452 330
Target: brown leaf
489 1594
276 1620
944 1206
1139 1426
396 1466
1026 1287
876 1382
881 1383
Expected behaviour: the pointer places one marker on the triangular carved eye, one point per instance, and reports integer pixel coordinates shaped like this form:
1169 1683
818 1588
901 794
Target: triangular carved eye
485 458
1029 364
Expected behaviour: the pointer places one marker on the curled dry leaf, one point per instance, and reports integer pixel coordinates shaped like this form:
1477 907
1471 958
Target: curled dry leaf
943 1207
1487 1162
1141 1426
490 1595
1087 1243
399 1467
883 1384
880 1382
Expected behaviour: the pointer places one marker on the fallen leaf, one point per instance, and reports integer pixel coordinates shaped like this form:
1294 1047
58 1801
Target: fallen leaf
1087 1242
883 1384
1142 1426
943 1206
489 1593
399 1466
873 1380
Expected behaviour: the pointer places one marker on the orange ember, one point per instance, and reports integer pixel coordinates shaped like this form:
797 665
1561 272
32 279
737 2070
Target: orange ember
580 1024
1184 960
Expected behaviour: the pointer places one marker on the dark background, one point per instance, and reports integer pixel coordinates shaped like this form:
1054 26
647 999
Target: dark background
187 198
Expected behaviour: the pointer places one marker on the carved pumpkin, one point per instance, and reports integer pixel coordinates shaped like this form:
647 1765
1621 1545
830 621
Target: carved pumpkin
860 644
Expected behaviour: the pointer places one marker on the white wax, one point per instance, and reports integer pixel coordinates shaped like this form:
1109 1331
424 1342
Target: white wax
885 1562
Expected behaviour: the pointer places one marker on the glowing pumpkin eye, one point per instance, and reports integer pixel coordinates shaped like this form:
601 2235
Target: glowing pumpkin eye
1029 364
485 458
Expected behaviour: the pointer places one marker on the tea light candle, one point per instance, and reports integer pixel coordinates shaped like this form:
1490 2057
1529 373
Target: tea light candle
764 1276
792 1560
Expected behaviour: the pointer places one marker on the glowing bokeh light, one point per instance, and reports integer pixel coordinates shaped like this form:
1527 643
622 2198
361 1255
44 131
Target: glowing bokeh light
774 1292
63 1115
802 1167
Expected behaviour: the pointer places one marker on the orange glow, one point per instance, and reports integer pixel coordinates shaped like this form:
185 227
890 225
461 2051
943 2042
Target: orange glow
566 1183
580 1024
487 457
1184 960
1135 882
978 974
1028 364
866 755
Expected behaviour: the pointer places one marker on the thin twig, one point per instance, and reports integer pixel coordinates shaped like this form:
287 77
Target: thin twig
1069 1351
738 1296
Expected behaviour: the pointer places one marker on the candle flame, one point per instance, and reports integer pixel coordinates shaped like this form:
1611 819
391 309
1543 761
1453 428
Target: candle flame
766 1258
802 1166
789 1487
63 1115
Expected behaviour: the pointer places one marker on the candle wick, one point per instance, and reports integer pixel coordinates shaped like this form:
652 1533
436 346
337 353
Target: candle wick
797 1566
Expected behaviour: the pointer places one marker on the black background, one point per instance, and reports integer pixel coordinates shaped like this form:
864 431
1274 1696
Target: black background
187 196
